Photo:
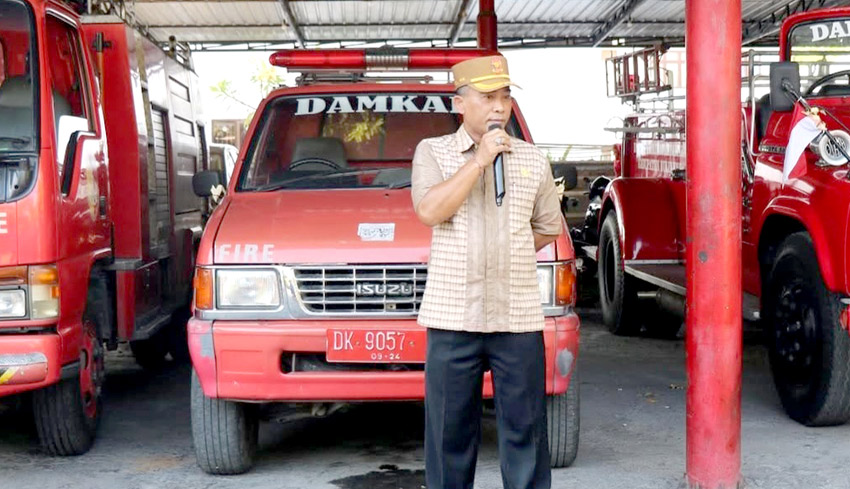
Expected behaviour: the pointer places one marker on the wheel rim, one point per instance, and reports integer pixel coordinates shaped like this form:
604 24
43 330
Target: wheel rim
795 335
91 371
609 271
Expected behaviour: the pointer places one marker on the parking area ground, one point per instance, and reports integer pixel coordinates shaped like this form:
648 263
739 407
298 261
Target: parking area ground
632 434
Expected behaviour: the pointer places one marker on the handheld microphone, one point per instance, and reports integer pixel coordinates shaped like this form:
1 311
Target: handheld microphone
498 172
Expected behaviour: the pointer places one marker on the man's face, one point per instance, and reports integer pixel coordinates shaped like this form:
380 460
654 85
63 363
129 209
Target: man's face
481 110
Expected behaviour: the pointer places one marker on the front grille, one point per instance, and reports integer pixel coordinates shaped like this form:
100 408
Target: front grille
362 290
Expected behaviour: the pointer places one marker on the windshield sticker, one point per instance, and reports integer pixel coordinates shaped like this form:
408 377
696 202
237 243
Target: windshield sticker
3 224
830 30
246 252
376 232
373 103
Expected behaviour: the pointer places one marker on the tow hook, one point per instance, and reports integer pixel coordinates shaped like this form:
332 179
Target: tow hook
324 409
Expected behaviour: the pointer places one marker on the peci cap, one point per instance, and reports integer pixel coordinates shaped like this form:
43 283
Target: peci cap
484 74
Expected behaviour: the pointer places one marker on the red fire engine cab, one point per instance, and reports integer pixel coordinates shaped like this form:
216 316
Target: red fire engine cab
795 228
98 144
312 268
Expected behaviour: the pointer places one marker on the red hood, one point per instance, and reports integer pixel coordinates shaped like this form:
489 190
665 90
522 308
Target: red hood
298 227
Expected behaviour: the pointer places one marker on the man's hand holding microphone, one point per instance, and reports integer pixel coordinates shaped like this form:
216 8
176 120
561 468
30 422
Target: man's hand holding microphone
493 143
445 198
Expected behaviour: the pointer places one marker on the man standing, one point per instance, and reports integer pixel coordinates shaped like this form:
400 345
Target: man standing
482 300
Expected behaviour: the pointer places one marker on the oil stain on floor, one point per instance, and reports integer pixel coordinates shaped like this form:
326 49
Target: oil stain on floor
388 477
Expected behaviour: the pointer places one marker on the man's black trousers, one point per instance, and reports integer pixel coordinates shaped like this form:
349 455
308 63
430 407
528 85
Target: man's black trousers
454 371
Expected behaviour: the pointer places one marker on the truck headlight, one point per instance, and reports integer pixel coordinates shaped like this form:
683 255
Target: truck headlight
13 303
36 286
247 288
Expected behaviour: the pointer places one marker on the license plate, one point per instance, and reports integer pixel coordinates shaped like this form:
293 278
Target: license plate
376 346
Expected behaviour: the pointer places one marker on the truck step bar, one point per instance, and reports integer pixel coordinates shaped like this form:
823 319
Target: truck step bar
670 275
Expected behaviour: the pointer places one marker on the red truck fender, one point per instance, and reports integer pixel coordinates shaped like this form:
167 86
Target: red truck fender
647 211
785 215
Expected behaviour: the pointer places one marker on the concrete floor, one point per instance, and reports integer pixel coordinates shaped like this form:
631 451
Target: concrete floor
632 434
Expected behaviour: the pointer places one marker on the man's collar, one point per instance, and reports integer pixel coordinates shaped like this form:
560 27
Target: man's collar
463 140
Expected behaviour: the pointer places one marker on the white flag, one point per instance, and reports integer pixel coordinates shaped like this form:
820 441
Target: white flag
802 134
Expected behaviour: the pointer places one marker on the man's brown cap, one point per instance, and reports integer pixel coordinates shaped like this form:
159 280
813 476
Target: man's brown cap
485 74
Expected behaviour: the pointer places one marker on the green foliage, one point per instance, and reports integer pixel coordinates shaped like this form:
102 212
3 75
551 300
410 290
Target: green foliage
266 78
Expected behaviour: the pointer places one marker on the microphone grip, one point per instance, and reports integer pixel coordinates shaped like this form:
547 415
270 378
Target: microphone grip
498 172
499 177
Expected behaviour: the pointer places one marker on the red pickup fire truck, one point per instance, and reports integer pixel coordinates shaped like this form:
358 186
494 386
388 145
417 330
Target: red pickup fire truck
98 145
795 230
312 269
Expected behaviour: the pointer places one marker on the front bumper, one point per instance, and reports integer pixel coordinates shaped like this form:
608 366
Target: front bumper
242 360
28 362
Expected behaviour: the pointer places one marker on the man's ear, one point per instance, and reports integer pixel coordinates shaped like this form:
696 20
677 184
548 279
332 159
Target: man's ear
457 100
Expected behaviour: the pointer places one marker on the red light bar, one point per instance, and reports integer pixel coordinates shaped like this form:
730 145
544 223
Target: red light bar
374 59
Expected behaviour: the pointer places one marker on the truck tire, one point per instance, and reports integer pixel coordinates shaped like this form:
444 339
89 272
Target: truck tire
808 349
151 353
617 299
178 342
224 433
67 414
562 417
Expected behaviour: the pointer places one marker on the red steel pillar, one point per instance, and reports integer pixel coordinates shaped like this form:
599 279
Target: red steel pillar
487 35
713 46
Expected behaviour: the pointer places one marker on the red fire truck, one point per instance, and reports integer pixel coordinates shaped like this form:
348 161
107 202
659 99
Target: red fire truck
98 144
795 229
312 269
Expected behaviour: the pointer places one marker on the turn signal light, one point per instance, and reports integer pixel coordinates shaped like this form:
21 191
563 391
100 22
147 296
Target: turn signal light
13 275
565 284
203 288
44 291
44 275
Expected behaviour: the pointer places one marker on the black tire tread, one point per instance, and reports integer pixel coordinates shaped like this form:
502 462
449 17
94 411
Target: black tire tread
60 421
224 433
618 316
563 419
150 354
832 399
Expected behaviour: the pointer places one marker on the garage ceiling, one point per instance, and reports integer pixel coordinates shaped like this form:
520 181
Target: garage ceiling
272 24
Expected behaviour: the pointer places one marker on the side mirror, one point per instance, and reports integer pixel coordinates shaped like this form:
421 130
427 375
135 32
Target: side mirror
65 129
203 182
570 177
69 129
782 75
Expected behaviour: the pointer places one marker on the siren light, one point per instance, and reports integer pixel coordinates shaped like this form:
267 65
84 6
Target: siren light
381 59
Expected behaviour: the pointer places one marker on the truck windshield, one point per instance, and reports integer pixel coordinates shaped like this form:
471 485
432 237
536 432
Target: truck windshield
822 47
343 141
17 89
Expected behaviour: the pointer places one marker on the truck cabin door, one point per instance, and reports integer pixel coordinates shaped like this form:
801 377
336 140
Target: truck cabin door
80 162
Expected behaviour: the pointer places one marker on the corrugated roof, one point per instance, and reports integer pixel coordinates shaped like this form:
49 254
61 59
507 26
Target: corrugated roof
530 22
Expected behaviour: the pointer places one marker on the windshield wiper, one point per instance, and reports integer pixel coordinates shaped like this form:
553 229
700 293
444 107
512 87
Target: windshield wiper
313 176
16 140
402 184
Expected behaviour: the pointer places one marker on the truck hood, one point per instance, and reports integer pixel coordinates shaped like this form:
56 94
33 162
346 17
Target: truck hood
8 235
321 227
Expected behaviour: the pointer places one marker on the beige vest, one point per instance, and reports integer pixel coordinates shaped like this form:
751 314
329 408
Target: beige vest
443 304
